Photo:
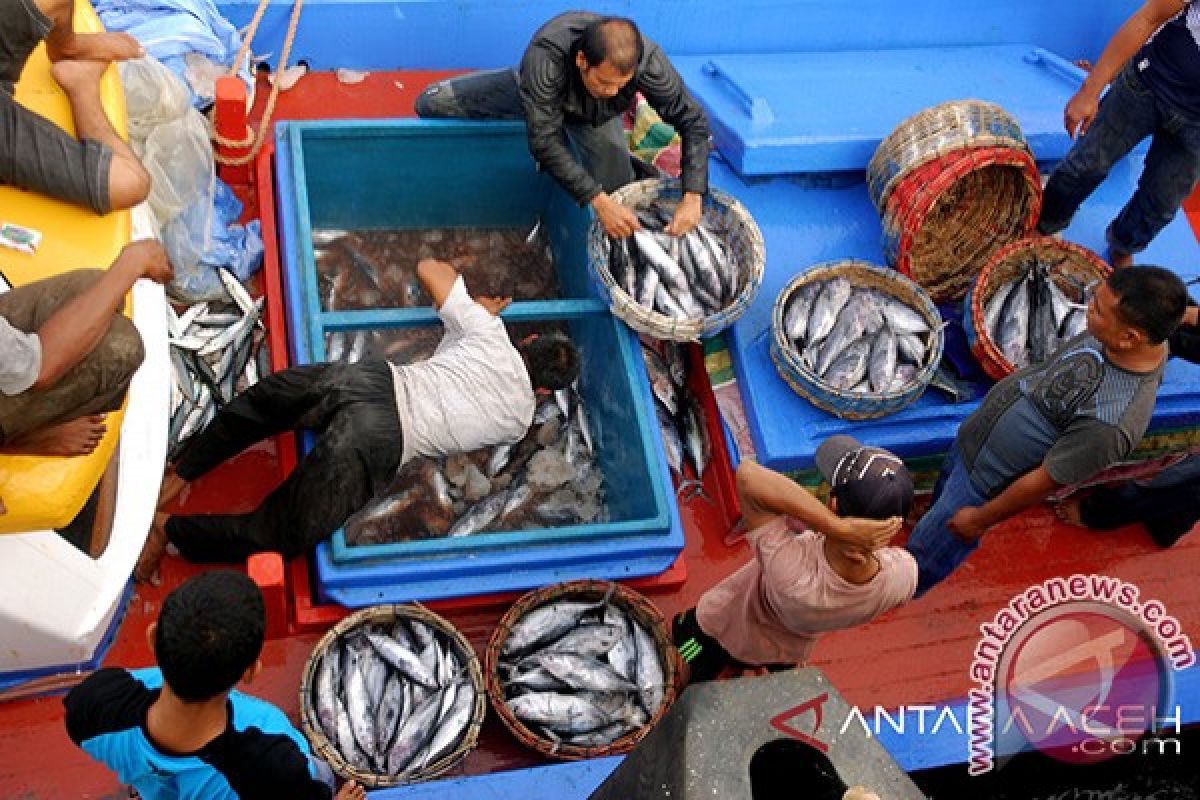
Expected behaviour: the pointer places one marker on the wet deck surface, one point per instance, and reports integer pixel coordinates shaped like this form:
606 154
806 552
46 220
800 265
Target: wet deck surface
920 653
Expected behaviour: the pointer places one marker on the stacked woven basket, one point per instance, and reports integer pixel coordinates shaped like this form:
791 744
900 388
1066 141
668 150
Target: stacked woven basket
952 184
1072 266
726 218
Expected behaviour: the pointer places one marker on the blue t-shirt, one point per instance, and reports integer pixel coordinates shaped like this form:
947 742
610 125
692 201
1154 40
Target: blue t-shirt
259 755
1169 63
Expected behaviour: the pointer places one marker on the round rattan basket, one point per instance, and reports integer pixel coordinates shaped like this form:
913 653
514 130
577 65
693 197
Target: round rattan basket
847 404
727 218
935 132
629 601
1069 259
945 218
384 615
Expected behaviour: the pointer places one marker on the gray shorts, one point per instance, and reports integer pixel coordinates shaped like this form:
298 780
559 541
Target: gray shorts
36 154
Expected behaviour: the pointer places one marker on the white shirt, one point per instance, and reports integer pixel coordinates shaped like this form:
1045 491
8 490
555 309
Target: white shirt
473 392
20 359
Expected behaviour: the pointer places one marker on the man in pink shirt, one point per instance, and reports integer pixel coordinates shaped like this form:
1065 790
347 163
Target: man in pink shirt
814 568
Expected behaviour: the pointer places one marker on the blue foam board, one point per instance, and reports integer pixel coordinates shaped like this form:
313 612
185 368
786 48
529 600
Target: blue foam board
780 113
803 225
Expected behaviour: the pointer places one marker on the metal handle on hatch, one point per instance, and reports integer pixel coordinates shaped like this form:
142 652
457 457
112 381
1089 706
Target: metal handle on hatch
757 107
1056 64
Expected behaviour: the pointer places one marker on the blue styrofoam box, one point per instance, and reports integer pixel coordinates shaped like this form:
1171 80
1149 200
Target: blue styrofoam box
848 102
409 174
803 225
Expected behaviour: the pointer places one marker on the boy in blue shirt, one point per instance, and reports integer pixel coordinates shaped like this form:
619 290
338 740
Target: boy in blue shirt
180 731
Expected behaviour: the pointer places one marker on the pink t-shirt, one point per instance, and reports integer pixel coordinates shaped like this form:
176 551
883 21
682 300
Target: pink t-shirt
772 610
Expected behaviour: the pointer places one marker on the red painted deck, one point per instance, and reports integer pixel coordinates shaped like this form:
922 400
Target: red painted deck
920 653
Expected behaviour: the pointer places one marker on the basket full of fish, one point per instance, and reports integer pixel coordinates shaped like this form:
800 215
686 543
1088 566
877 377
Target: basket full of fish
680 288
581 669
856 340
392 694
1030 298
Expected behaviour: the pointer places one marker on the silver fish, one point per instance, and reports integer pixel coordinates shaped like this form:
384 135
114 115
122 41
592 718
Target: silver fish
592 641
452 726
850 366
417 731
795 317
580 673
564 712
850 324
481 515
834 294
545 624
881 366
911 348
1013 335
649 677
402 659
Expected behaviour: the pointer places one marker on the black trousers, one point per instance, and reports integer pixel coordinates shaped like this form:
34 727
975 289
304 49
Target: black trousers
351 408
1168 505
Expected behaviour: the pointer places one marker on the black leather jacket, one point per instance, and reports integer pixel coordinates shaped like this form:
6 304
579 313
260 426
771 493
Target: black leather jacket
553 93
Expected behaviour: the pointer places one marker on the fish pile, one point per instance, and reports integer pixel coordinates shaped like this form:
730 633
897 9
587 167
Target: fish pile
549 479
685 436
581 673
1030 316
217 350
378 268
395 698
856 339
683 277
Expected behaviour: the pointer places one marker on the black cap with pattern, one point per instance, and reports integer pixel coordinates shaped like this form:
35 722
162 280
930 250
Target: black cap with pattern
867 481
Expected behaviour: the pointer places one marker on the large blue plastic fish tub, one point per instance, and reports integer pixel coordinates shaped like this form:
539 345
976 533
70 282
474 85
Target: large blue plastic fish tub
417 174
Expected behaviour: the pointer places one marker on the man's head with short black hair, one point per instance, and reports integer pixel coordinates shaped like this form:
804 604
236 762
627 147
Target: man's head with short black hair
1151 299
552 360
609 53
210 631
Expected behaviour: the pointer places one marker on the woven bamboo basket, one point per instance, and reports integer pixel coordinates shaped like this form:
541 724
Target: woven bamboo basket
727 218
945 218
387 614
846 404
1004 265
629 601
933 133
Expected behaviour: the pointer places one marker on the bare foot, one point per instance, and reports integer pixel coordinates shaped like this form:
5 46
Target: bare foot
75 438
104 47
146 570
1068 510
172 485
351 791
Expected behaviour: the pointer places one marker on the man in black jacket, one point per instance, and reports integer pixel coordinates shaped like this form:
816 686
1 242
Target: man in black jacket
577 77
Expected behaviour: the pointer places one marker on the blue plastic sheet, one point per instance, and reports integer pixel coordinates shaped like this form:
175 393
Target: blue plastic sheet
170 29
236 247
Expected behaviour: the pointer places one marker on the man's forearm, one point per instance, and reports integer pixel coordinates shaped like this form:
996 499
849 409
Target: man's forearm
1030 489
778 494
77 327
1127 41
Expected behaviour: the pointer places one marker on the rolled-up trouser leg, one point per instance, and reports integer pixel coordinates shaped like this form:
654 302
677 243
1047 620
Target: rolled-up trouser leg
604 150
490 94
96 384
356 455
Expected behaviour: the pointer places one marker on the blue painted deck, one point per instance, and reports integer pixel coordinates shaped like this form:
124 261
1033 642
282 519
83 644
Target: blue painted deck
803 226
848 101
